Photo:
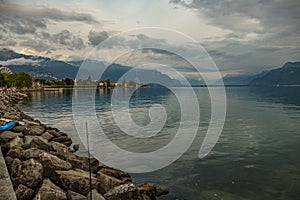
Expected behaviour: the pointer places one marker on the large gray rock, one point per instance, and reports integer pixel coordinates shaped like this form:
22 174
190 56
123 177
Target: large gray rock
83 163
49 190
47 136
149 189
41 143
6 136
28 139
15 153
63 139
14 171
8 161
95 195
36 130
19 129
24 193
71 195
62 150
53 162
123 176
106 182
16 142
124 192
29 173
31 153
75 180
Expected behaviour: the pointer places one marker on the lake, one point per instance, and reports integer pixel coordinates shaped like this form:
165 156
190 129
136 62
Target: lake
256 157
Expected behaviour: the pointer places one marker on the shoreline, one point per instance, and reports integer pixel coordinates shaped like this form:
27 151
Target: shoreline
41 164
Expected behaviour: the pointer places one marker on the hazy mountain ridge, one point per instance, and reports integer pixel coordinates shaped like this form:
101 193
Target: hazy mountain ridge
46 68
288 74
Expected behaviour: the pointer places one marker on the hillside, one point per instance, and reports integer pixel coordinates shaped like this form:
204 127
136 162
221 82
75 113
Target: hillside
288 74
46 68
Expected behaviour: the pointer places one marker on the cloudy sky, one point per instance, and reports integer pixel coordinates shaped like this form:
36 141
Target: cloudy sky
241 36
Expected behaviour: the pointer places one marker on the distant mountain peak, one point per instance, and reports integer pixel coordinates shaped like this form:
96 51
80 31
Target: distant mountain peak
288 74
46 68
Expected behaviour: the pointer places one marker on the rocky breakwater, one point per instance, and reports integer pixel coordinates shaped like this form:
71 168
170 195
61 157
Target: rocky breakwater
42 166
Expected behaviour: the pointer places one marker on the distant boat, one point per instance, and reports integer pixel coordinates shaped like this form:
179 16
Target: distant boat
7 126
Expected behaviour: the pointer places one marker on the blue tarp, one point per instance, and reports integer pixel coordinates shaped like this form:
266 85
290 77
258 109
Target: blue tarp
7 126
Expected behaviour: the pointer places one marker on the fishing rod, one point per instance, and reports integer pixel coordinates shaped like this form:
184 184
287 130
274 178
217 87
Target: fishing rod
89 158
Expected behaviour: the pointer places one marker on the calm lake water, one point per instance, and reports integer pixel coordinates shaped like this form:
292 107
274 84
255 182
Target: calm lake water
256 157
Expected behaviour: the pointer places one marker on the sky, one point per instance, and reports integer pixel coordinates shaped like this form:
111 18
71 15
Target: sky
242 37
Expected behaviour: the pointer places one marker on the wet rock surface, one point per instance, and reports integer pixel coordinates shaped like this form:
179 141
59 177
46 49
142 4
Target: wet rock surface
42 165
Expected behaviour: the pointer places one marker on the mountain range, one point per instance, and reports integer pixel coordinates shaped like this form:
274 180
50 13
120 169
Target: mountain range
46 68
288 74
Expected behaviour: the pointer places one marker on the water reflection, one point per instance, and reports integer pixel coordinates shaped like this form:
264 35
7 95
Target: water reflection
256 157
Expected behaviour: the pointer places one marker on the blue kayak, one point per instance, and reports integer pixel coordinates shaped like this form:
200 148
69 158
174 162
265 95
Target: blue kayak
7 126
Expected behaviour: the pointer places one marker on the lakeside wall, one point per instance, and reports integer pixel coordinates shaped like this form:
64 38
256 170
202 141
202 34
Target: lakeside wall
42 166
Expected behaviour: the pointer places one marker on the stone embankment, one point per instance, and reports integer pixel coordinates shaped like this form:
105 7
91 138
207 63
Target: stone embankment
42 166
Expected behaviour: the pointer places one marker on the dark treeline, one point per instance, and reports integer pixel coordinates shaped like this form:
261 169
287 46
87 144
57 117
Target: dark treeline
64 83
19 80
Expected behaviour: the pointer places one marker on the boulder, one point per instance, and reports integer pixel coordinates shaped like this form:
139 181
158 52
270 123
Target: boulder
61 150
31 153
24 193
16 152
28 139
12 116
14 170
95 195
123 176
149 189
29 173
16 142
48 191
36 130
6 136
83 163
53 162
161 191
71 195
8 160
61 139
19 129
47 136
105 182
75 180
41 143
124 192
75 148
55 132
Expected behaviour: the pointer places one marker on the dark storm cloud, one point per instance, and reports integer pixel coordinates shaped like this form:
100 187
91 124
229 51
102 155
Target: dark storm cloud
66 38
273 25
37 45
21 20
231 14
97 37
158 51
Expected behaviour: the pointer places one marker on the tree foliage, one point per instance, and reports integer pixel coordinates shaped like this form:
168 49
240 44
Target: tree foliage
20 80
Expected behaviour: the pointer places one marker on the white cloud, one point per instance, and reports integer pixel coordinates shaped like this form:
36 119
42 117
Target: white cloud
20 61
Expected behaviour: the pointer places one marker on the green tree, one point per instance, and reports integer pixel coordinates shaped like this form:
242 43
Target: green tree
22 80
69 82
2 81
